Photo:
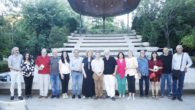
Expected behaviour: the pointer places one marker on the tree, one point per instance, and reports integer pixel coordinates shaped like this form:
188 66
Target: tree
41 16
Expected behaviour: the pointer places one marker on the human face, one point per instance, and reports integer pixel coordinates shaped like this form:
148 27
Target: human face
154 55
76 53
27 56
16 50
44 52
142 54
107 53
97 55
130 54
120 56
179 49
64 54
89 54
166 51
54 52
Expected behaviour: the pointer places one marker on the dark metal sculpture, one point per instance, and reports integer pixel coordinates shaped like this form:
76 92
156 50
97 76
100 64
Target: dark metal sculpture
103 8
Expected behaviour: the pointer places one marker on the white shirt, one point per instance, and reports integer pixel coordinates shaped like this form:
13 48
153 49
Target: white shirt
131 65
97 65
176 62
65 67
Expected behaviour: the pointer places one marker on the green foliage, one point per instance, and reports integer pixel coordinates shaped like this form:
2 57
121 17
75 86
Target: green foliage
3 66
169 21
189 40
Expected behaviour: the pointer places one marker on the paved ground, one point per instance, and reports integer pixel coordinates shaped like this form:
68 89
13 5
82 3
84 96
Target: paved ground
107 104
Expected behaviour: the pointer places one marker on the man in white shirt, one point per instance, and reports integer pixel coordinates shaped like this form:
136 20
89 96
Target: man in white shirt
14 63
98 67
181 61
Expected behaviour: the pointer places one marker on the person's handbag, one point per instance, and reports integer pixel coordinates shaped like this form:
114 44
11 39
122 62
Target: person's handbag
152 75
175 73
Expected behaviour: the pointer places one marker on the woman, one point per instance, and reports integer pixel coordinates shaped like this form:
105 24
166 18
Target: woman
155 68
64 69
28 73
131 71
120 76
88 82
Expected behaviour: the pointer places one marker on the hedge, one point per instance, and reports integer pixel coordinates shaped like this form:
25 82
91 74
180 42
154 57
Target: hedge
3 66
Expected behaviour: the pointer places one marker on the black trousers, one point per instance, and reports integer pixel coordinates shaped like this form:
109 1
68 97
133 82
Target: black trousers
131 83
65 83
28 81
144 79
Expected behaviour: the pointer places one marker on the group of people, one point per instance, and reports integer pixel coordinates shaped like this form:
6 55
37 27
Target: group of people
91 74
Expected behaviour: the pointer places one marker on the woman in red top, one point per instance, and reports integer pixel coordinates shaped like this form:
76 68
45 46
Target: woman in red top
155 70
121 79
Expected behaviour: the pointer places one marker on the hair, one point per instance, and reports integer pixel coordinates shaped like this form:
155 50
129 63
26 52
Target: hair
179 46
30 57
67 58
154 52
131 52
88 52
13 49
122 54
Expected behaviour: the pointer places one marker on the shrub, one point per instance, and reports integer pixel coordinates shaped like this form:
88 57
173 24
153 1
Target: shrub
3 66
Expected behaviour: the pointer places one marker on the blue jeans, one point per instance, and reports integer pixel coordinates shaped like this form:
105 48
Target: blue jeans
178 85
144 80
165 78
55 84
77 81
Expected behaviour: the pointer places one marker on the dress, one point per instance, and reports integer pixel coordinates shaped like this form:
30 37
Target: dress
158 73
88 89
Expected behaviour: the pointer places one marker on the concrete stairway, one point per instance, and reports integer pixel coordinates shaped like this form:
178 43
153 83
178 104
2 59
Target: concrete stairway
113 42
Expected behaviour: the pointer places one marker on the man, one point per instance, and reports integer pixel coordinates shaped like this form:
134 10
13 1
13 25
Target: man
166 59
110 68
77 76
143 69
181 62
54 74
43 66
14 62
98 67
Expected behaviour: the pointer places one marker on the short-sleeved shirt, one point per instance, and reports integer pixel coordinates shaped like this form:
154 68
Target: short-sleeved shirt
15 61
43 61
75 63
54 66
109 65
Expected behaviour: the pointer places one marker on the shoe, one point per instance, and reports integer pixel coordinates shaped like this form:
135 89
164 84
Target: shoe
46 97
113 98
180 99
123 96
129 97
58 96
20 98
162 96
133 98
173 98
73 97
12 98
79 96
65 96
53 96
120 96
107 97
40 97
96 97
